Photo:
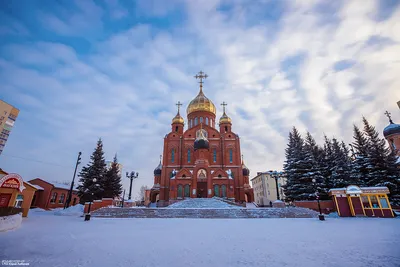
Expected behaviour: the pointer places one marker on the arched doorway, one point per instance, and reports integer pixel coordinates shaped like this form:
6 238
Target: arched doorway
154 197
216 190
201 183
247 197
187 191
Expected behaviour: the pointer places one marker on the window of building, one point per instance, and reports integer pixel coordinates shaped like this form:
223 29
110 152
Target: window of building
201 119
188 155
176 128
223 191
216 190
187 190
195 121
62 197
384 203
53 198
215 155
374 202
206 121
180 191
172 155
230 155
365 202
219 176
226 128
18 201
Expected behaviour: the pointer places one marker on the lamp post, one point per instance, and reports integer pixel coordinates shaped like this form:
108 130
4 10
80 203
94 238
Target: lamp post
131 176
78 161
87 215
276 175
320 216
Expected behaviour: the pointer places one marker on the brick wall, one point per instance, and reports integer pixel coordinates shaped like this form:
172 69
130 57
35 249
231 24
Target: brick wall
327 206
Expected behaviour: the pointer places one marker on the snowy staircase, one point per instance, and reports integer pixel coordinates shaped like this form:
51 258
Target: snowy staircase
204 208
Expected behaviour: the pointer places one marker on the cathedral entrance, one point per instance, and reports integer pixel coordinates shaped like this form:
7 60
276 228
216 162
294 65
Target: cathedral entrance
202 189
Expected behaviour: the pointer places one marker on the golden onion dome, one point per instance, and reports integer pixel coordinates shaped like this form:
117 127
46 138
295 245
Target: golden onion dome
178 119
225 119
201 103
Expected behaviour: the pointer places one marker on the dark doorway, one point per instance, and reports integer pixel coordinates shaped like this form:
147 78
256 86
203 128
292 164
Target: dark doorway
73 204
202 189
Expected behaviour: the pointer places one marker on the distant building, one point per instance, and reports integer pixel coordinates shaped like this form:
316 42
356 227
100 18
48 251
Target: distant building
264 186
51 195
8 115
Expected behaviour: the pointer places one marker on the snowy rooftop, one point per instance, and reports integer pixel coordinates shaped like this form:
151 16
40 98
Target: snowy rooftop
38 187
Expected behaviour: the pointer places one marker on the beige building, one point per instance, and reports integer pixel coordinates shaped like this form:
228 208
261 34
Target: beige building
265 187
8 115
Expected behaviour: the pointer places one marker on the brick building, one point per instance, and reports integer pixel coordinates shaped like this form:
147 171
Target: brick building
201 161
52 195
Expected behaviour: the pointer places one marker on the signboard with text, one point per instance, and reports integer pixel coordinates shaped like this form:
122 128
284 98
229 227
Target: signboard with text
13 181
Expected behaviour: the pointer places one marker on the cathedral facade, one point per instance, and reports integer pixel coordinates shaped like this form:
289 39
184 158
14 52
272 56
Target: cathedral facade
201 160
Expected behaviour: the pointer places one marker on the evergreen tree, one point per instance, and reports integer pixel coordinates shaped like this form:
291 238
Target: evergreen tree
111 185
382 168
360 164
340 170
314 161
298 185
96 168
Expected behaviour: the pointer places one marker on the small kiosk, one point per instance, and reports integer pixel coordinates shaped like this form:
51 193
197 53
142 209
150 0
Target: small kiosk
362 201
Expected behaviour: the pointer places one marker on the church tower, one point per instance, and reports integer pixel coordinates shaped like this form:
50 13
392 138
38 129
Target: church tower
201 162
392 134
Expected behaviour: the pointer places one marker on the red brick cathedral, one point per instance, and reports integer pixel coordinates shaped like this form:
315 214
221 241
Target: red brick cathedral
200 161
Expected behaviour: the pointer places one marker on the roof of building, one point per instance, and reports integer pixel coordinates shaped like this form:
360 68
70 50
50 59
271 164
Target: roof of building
38 187
57 185
392 128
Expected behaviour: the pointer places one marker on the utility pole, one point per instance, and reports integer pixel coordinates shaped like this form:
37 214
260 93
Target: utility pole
78 161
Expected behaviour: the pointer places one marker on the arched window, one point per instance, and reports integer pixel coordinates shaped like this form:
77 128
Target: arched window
230 155
195 121
215 155
188 155
180 191
212 123
172 155
226 128
62 198
223 191
187 190
201 119
216 190
206 120
190 123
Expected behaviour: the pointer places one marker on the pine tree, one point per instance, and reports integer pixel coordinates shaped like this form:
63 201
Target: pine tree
96 168
112 182
382 168
298 185
340 170
360 164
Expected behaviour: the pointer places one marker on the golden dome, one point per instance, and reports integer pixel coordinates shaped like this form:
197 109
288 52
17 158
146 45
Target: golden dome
178 119
225 119
201 103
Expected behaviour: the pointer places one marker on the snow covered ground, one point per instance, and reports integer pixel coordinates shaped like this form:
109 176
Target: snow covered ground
47 240
202 203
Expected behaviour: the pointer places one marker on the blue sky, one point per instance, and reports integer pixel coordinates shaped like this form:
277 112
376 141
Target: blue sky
80 70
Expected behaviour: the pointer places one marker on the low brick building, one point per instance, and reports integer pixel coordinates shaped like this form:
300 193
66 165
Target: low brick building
51 195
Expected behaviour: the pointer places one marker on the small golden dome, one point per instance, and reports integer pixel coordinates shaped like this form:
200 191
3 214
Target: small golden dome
201 103
225 119
178 119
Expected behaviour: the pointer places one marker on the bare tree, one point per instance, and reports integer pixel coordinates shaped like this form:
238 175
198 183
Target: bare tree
142 192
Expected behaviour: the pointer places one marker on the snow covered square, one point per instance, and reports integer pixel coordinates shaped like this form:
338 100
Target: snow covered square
48 240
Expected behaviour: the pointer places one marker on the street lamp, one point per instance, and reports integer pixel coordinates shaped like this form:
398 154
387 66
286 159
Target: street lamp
131 176
276 175
320 216
87 215
78 161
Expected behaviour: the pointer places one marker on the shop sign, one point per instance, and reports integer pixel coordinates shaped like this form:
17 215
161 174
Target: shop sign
12 180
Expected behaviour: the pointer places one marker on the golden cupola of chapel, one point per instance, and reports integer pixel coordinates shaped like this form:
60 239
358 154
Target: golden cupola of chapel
178 118
201 102
224 118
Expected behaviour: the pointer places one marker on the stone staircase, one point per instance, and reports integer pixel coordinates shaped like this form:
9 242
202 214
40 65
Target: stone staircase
204 208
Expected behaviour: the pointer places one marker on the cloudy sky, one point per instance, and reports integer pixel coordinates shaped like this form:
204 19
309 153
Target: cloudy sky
80 70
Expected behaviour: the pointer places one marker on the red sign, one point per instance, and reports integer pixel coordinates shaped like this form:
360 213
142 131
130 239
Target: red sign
12 180
11 183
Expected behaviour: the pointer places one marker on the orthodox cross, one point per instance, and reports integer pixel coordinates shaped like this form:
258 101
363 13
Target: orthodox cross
224 105
201 75
388 115
179 104
242 159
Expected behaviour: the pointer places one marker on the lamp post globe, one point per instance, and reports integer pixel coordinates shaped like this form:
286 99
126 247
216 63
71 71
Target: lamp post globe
131 176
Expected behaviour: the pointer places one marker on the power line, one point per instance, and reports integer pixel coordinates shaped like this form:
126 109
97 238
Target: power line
35 160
